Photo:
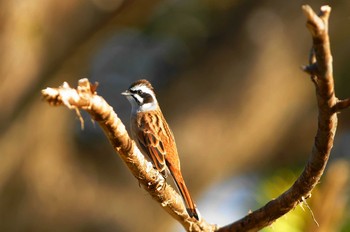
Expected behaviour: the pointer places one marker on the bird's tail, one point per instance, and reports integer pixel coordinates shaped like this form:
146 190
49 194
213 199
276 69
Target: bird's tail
180 183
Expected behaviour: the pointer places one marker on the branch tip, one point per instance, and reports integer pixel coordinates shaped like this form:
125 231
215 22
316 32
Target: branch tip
308 12
326 9
317 23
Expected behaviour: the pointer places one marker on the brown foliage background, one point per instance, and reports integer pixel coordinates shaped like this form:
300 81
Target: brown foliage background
227 77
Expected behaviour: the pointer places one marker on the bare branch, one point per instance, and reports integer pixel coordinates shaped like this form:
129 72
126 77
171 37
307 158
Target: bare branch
86 98
321 71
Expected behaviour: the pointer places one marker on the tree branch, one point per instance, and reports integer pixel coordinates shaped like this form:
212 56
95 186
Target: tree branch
86 98
321 71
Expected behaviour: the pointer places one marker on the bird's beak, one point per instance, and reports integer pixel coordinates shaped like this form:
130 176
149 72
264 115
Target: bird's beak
126 93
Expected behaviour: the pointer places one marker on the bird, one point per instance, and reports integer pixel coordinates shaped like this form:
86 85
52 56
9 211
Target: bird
154 137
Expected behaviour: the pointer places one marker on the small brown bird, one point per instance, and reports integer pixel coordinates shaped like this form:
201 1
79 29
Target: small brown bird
154 137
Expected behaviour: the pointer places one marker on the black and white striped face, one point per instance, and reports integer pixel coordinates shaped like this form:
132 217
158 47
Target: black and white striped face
141 96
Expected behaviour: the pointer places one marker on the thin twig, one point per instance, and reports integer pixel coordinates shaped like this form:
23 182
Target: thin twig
341 105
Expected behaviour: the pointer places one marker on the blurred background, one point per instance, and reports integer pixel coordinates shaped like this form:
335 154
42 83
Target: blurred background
228 78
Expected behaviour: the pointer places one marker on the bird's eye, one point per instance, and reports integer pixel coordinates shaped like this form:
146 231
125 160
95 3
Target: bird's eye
139 92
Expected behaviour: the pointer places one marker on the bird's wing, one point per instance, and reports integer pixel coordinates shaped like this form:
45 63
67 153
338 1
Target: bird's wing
150 136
